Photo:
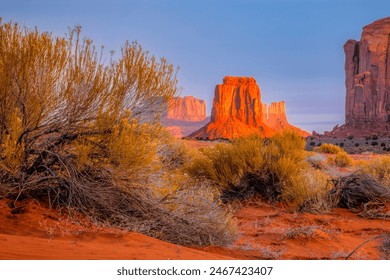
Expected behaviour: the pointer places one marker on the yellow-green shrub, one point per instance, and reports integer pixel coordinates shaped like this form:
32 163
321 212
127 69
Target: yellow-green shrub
342 159
254 165
379 168
310 193
226 163
328 149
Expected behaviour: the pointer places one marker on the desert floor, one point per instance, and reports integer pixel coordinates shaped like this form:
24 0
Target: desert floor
33 231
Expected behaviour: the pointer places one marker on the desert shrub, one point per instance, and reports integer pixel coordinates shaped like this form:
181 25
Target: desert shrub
328 149
317 160
342 159
357 144
225 163
312 143
374 143
274 169
375 137
383 144
360 192
310 193
173 153
378 168
196 203
84 135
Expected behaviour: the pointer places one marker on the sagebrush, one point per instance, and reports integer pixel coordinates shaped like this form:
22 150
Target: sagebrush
84 135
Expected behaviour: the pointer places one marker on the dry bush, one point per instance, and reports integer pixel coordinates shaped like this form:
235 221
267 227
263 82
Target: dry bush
310 194
342 159
226 163
379 168
85 136
173 153
361 193
197 202
317 160
274 169
328 149
385 247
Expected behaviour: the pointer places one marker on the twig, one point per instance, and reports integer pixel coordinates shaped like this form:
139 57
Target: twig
369 240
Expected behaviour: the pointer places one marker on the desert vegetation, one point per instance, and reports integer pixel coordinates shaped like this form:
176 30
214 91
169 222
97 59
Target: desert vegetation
83 134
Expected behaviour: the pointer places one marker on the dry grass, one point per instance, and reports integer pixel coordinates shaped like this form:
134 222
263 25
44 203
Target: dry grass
317 160
301 232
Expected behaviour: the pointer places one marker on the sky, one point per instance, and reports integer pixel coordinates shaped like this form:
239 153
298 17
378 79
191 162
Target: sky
294 49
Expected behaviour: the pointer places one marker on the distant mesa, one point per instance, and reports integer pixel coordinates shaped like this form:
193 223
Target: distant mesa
367 81
238 111
186 108
184 115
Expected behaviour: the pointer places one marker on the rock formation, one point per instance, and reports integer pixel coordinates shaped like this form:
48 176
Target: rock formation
238 111
274 116
186 108
367 79
184 115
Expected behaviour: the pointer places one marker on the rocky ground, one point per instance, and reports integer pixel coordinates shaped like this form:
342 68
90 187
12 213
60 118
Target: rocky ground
353 145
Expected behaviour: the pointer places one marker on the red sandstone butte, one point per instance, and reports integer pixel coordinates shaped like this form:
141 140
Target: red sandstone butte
367 80
238 111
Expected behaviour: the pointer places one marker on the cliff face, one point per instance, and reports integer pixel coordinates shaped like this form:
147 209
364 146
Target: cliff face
186 108
367 78
238 99
274 115
238 111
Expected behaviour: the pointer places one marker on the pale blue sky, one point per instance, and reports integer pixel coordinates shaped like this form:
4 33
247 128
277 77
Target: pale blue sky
294 49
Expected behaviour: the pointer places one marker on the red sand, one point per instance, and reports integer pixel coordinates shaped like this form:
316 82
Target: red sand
275 233
41 234
266 232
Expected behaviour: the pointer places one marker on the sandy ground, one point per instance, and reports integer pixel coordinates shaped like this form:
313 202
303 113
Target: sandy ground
36 232
268 232
265 232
